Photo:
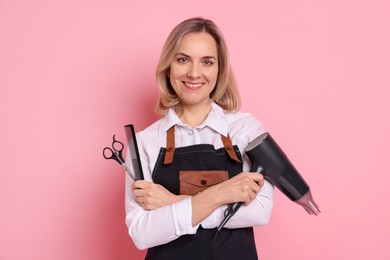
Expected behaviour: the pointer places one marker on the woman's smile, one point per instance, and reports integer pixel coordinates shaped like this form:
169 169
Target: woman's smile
193 86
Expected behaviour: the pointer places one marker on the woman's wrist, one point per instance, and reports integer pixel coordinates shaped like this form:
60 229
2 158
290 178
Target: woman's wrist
177 198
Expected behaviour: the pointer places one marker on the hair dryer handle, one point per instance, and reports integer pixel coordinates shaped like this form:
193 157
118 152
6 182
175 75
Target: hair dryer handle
232 208
257 168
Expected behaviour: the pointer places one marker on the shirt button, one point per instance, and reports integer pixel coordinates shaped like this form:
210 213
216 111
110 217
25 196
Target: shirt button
190 132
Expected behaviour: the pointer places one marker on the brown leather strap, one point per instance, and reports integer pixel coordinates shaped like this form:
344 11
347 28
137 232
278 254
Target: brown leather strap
227 143
170 145
170 149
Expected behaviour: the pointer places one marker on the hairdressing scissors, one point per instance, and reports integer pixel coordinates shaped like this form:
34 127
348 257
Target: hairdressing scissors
115 153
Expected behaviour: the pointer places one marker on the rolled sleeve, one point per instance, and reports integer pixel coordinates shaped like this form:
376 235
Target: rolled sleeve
256 213
182 217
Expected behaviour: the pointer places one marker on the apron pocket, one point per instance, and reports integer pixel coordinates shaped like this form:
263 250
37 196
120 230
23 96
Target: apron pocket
193 182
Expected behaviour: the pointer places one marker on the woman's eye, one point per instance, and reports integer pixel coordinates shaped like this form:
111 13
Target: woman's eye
182 60
208 62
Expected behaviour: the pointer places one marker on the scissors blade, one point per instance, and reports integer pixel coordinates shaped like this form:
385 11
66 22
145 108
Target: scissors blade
124 165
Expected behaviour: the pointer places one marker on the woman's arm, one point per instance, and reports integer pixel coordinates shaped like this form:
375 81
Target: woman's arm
243 187
149 228
170 218
156 216
256 213
152 196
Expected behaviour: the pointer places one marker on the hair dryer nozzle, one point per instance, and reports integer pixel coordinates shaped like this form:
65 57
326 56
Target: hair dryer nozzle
308 204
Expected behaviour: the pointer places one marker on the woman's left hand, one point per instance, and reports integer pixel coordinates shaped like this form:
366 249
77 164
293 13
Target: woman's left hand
151 196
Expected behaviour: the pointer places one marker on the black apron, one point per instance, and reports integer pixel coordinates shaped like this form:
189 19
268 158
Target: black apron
231 243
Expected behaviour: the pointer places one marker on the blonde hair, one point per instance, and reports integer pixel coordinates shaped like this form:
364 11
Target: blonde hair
225 93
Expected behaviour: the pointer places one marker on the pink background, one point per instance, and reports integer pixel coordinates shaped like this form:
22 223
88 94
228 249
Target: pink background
73 73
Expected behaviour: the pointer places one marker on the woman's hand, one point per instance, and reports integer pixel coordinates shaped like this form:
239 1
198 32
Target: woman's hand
241 188
151 196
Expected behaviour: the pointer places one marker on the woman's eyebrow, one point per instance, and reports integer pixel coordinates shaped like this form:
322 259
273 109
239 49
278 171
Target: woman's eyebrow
183 54
209 57
188 56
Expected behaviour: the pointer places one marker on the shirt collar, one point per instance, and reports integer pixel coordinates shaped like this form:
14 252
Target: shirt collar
215 119
169 120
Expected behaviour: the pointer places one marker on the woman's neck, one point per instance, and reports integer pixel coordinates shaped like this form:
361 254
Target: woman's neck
194 115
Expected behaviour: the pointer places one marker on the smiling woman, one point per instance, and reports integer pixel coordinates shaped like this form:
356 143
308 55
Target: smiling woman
226 94
192 157
193 75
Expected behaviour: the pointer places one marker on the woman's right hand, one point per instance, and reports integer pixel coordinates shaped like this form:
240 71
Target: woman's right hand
243 187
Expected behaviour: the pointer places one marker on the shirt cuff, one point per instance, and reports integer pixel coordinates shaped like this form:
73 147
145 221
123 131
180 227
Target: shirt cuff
182 217
215 218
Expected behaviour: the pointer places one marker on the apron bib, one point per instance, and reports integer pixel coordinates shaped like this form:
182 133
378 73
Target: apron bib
231 243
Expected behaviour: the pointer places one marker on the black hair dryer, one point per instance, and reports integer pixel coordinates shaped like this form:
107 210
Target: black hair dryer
268 159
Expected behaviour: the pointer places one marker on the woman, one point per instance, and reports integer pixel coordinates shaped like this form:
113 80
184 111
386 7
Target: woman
193 157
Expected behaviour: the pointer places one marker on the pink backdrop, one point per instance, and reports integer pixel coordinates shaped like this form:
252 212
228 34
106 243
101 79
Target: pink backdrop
72 73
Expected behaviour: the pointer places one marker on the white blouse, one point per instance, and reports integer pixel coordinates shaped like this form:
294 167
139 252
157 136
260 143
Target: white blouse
160 226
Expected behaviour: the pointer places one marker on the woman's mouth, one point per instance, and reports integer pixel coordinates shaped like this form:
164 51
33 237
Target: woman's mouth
193 86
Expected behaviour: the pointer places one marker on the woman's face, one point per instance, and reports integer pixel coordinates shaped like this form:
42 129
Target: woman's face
194 70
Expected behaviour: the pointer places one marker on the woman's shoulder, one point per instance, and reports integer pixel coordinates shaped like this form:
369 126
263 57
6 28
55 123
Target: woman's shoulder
244 127
150 131
244 118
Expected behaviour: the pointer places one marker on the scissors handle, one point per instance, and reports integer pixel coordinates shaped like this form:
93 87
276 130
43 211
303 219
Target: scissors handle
118 146
109 153
115 152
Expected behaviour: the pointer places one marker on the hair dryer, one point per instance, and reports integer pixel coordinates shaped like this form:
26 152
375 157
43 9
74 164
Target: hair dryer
268 159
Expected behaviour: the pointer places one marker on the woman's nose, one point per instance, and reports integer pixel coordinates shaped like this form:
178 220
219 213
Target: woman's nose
194 71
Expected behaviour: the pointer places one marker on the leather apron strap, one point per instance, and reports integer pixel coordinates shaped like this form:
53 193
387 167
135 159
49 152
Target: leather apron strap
227 144
170 147
170 150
